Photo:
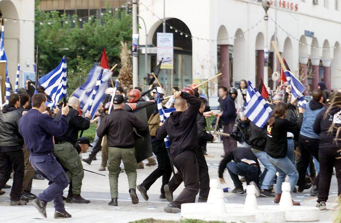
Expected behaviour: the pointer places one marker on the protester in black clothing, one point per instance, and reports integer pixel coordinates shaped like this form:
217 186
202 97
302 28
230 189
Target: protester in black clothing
309 141
164 169
203 138
245 164
11 153
327 125
182 129
326 94
277 147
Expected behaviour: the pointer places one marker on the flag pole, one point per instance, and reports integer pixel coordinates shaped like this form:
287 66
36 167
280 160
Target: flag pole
279 56
112 82
158 82
208 80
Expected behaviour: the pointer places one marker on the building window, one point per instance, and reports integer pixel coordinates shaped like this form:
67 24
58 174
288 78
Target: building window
326 3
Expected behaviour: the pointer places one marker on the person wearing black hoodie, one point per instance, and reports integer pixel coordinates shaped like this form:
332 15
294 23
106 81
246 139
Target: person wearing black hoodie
327 125
11 153
326 94
182 129
309 141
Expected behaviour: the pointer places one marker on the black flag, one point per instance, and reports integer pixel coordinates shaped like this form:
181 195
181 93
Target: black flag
156 72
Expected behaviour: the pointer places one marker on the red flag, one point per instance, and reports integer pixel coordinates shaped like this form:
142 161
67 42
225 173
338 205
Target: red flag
262 90
104 60
283 78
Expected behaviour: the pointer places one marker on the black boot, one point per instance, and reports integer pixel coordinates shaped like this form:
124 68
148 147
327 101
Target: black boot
143 192
62 214
41 206
77 199
133 195
88 160
113 202
29 195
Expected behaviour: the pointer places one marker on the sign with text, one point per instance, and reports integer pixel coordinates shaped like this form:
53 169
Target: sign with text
165 50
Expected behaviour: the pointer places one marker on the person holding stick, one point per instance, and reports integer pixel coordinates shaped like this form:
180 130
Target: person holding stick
228 115
182 129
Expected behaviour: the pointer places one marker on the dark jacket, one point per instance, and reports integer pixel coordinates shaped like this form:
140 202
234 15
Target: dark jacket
277 144
203 136
75 124
10 138
258 137
38 130
325 91
229 110
237 155
119 128
182 127
321 126
241 131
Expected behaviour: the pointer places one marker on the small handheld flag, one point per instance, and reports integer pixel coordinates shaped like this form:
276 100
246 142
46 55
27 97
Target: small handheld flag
164 114
256 108
8 90
17 80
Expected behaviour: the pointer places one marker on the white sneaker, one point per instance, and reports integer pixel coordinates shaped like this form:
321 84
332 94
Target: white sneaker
322 206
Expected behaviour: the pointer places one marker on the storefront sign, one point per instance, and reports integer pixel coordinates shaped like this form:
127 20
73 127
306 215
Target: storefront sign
165 50
309 33
284 4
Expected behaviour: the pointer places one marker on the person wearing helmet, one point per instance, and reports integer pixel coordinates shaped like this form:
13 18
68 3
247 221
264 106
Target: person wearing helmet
134 95
228 115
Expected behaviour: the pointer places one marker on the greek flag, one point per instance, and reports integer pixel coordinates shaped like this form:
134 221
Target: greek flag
55 83
17 80
297 88
164 114
84 92
256 108
8 89
94 92
2 49
302 103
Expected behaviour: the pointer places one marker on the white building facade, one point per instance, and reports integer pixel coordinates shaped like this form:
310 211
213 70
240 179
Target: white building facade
18 21
230 36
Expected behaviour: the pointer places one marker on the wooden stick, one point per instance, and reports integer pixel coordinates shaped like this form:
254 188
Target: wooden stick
223 134
113 67
208 80
112 82
279 56
216 124
158 82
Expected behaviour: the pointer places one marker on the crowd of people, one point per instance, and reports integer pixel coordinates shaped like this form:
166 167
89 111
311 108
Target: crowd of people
298 143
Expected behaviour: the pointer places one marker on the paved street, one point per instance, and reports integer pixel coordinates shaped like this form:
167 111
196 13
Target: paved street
96 188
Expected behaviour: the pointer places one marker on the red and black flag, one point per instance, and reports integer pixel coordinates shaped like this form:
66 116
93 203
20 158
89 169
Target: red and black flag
262 89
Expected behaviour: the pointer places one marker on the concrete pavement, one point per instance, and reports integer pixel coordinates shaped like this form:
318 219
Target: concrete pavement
96 189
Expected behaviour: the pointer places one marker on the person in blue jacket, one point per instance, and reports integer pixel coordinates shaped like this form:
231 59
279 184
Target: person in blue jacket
38 130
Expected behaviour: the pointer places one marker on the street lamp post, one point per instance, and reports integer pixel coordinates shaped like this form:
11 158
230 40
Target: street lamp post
135 57
266 6
146 46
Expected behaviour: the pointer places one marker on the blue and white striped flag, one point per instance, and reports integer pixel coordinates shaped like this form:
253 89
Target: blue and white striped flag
8 89
17 80
2 49
297 88
94 92
84 92
256 108
164 114
55 83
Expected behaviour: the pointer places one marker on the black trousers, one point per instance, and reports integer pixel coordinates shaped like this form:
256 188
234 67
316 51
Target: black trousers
308 147
203 174
187 165
96 148
329 158
163 170
15 160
